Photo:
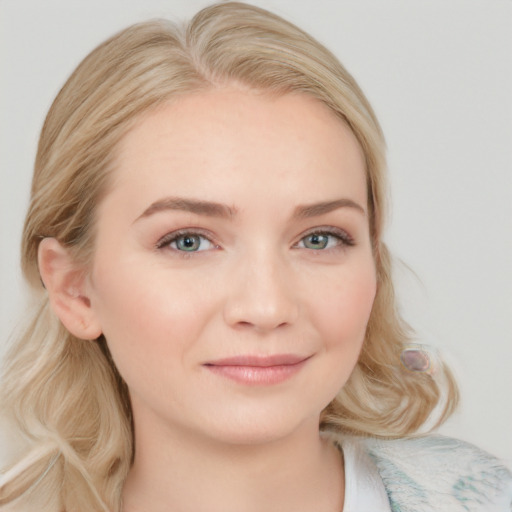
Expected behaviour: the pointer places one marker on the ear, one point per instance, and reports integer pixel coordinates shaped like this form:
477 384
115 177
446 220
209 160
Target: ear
65 283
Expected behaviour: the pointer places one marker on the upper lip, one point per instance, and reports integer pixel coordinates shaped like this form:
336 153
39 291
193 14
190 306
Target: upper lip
259 360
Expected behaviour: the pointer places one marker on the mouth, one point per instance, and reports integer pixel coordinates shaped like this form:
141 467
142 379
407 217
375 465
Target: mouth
258 370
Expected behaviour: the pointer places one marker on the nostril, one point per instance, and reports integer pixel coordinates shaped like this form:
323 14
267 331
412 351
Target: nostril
244 324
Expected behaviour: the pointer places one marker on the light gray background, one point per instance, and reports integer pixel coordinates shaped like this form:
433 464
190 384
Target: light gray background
440 78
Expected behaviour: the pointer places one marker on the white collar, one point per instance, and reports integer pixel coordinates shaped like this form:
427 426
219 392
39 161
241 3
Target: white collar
364 489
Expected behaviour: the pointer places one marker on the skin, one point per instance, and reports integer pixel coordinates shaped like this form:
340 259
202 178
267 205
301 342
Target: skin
260 284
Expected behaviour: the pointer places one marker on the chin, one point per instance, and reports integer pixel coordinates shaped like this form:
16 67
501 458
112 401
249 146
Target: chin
256 427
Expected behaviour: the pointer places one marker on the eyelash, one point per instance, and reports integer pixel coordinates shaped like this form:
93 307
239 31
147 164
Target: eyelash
344 240
168 239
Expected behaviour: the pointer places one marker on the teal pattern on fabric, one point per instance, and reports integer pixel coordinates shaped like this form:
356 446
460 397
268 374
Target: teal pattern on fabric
440 474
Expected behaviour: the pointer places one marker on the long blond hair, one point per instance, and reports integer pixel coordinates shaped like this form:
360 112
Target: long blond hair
65 394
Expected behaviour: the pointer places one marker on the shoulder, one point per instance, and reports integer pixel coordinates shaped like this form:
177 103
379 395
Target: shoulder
436 473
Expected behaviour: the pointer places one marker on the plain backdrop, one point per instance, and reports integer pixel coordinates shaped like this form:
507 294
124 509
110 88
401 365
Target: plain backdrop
439 76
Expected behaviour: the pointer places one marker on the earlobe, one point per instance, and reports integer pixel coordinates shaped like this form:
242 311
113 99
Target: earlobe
66 287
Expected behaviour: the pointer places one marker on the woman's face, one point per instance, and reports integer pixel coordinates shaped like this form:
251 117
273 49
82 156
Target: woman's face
233 276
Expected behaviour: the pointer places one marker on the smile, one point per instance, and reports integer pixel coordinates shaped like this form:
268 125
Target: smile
258 370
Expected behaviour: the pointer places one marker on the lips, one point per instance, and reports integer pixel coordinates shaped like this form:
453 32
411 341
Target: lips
258 370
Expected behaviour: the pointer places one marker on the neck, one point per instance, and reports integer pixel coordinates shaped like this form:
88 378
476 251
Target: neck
181 472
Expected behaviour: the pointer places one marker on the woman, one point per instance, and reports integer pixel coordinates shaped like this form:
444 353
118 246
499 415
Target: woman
217 327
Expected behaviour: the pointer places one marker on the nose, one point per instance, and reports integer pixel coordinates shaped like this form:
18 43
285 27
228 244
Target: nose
262 295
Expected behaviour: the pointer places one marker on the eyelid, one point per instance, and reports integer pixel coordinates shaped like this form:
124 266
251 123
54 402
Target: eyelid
346 240
168 238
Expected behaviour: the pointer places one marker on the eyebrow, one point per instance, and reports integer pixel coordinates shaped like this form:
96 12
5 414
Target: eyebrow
317 209
196 206
212 209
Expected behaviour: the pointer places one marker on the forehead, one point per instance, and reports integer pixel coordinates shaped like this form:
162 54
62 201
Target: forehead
216 141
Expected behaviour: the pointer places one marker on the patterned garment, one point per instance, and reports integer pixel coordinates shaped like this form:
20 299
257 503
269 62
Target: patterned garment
440 474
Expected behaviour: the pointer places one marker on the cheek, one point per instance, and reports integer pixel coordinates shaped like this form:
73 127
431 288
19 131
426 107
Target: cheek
348 303
340 310
147 319
341 320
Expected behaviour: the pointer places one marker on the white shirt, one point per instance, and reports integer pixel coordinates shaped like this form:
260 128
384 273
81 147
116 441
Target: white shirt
364 490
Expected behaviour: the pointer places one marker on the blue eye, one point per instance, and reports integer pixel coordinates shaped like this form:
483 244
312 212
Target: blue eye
186 242
316 241
320 240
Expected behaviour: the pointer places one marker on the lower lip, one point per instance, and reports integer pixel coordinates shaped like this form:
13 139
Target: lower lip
257 375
